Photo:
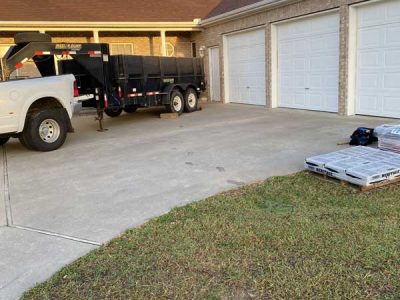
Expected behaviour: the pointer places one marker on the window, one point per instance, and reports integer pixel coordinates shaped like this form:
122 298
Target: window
121 49
170 49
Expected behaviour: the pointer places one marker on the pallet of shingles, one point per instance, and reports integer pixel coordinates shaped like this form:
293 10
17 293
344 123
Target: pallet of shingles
390 140
362 166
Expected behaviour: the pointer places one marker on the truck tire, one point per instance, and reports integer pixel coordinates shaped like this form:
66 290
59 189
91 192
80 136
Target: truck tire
28 37
191 100
4 140
113 112
177 104
130 109
44 130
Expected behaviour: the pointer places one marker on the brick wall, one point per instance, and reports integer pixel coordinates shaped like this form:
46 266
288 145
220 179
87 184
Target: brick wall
213 36
146 43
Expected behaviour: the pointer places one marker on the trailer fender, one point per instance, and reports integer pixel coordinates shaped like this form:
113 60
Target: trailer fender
182 87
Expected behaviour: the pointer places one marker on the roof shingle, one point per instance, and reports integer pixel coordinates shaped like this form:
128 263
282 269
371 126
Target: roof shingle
106 11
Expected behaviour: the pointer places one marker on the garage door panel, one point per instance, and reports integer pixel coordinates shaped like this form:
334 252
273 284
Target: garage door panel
385 13
312 65
378 59
392 35
392 58
246 67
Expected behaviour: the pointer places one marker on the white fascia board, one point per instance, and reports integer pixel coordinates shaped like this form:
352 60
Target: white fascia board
246 10
107 26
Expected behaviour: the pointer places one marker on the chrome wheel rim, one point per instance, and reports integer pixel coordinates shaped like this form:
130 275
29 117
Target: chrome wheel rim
177 103
49 131
192 100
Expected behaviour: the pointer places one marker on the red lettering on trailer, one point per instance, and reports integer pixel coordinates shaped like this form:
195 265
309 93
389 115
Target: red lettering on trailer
94 52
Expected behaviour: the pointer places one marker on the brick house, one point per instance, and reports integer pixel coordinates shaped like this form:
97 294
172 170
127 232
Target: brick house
340 56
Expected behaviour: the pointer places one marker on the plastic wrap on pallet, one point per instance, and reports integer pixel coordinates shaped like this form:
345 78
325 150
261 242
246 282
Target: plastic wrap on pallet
390 141
362 166
385 128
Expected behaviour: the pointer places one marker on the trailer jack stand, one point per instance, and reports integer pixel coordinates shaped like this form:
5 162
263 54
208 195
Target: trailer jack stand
100 119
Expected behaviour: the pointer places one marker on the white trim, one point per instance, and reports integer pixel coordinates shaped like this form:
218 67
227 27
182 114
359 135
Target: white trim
274 52
246 10
274 66
352 62
210 65
226 68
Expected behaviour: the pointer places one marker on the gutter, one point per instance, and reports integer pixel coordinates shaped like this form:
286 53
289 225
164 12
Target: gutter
102 26
246 10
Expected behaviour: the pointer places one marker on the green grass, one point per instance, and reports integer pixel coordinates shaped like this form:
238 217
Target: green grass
295 237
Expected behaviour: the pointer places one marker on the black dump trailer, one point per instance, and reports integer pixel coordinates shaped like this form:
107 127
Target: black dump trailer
113 83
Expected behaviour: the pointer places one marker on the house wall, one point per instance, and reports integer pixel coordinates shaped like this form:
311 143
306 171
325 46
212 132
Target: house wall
146 43
213 36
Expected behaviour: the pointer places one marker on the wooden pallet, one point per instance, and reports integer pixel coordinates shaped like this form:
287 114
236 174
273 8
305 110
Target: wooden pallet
361 188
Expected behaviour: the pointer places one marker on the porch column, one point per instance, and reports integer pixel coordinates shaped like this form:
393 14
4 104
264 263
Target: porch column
163 43
96 36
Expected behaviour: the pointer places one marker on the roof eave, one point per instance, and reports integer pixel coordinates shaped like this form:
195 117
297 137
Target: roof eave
243 11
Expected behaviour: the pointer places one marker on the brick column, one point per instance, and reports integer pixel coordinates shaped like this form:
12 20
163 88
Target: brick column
344 57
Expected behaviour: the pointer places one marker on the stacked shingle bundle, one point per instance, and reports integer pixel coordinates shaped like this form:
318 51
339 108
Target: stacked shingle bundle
390 140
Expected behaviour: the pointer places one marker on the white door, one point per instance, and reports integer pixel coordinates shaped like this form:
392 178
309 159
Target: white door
378 59
215 75
246 79
308 63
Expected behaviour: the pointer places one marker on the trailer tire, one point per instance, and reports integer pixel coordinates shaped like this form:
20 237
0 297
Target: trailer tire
4 140
177 103
191 100
44 130
113 112
29 37
130 109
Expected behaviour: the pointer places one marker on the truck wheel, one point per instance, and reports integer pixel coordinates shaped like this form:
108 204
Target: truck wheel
29 37
4 140
191 100
130 109
177 104
113 112
44 130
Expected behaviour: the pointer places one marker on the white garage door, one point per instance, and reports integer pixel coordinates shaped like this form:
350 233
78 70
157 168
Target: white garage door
246 67
308 63
378 59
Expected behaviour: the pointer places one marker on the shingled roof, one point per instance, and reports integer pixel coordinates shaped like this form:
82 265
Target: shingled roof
116 10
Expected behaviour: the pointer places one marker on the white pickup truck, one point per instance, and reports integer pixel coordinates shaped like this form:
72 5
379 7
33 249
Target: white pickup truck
37 111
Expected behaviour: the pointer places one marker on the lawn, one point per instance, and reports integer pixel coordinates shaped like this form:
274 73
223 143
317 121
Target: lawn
294 237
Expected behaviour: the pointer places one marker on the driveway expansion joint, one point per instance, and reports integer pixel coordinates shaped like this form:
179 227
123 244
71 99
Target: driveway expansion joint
9 215
7 198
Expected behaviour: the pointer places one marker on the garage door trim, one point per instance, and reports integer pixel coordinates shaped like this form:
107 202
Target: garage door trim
225 54
274 51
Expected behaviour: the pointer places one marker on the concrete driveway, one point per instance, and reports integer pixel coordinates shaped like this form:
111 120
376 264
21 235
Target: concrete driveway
60 205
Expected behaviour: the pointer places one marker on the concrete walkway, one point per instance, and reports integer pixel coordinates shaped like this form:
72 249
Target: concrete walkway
55 207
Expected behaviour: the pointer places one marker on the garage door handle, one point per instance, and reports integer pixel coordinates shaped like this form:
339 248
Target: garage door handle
248 87
307 88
